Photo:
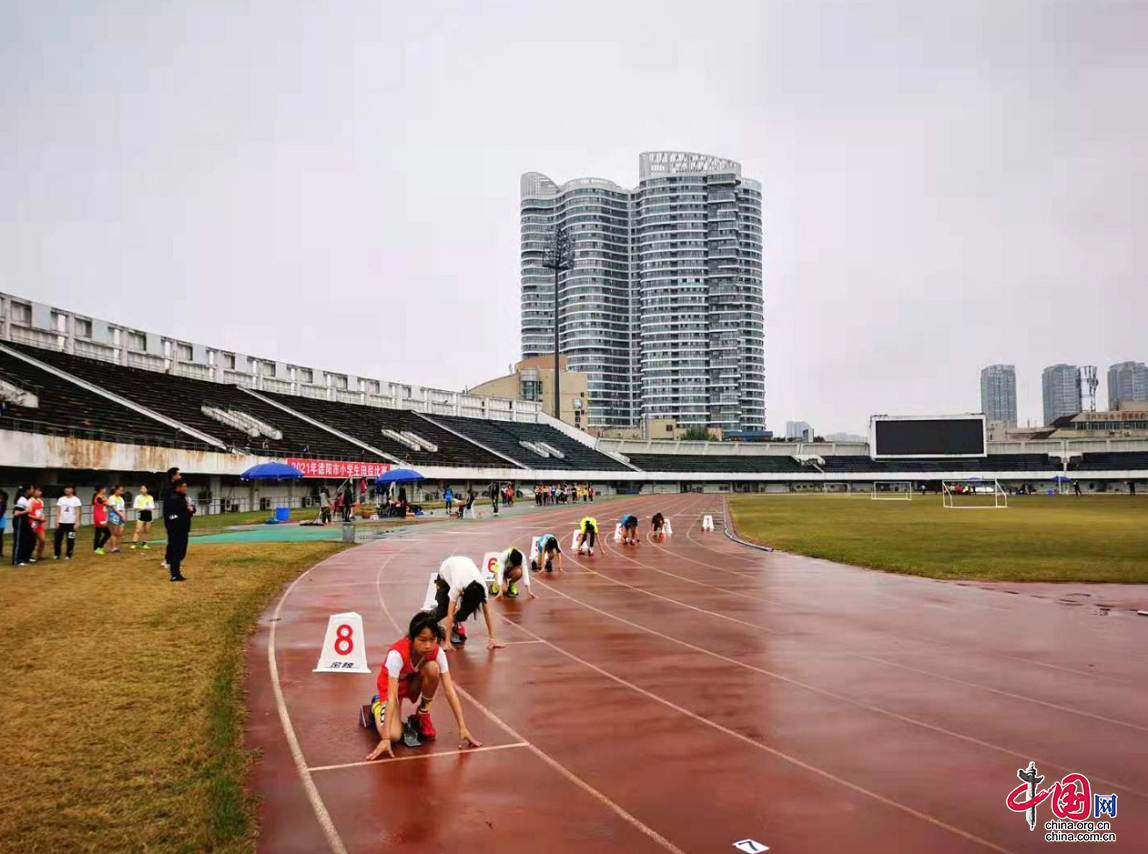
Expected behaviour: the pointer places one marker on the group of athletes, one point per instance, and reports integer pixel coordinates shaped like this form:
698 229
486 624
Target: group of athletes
416 664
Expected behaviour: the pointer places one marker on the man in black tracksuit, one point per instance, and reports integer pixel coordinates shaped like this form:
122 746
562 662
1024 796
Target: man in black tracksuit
177 515
174 476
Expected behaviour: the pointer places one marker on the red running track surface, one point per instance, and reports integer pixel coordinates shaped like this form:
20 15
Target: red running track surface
682 696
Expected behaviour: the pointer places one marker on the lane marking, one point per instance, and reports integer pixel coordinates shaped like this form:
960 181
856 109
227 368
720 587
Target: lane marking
364 762
792 759
549 760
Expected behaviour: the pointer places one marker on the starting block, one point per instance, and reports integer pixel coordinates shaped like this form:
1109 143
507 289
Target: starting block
618 534
533 547
707 523
430 601
574 541
667 528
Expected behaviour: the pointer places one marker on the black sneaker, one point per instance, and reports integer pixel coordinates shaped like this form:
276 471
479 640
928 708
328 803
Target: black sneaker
178 578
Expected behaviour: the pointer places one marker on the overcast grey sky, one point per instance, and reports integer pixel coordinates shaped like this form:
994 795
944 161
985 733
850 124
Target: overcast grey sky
945 184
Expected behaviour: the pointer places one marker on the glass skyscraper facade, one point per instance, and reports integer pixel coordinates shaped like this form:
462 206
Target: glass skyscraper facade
998 394
663 308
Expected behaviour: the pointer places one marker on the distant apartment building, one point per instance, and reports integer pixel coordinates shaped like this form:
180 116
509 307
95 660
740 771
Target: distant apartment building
1061 391
998 394
1127 383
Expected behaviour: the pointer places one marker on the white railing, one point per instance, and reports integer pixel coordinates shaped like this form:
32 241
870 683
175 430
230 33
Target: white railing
277 386
191 370
146 361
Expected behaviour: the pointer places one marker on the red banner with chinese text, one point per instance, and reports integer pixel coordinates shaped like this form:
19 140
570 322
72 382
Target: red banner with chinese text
339 468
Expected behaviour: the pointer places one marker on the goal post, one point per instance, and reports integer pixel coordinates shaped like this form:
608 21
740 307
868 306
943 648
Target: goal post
973 494
892 490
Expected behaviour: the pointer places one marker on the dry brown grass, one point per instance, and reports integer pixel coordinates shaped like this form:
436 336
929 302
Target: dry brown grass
121 712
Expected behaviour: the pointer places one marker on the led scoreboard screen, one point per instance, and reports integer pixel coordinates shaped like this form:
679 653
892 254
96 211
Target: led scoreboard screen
933 436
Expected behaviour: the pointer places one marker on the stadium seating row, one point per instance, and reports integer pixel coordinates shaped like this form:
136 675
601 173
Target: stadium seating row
288 425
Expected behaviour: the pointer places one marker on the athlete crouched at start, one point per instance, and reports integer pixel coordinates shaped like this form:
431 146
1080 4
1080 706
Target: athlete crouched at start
414 667
549 549
510 572
587 534
630 530
457 591
659 524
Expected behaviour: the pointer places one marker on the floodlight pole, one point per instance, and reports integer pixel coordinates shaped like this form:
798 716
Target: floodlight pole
558 257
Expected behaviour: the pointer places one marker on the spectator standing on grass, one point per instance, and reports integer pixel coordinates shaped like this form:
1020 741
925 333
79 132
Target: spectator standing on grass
22 537
100 520
177 513
67 522
3 518
117 515
174 476
448 497
39 520
144 506
590 492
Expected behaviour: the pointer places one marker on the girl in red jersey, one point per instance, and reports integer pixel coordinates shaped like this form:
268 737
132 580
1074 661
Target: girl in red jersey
37 518
100 519
414 667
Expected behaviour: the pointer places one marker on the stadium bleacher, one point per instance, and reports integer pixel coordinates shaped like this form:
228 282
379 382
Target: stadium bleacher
182 399
993 462
505 437
366 424
65 408
716 463
1111 461
68 408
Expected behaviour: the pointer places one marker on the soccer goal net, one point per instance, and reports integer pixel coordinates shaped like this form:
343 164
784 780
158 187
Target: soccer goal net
892 490
974 495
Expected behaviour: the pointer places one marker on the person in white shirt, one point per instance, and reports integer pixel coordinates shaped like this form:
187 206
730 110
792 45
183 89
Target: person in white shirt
510 572
117 515
144 506
67 522
455 592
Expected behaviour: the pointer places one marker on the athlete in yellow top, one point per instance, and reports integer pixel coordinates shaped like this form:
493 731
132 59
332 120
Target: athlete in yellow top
588 534
144 506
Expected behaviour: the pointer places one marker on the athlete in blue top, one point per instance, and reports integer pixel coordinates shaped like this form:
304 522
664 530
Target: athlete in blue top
547 549
630 530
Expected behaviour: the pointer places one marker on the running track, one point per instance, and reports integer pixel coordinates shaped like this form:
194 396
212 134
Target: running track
685 696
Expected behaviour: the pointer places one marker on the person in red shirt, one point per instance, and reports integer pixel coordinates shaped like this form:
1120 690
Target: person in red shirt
413 669
36 517
100 519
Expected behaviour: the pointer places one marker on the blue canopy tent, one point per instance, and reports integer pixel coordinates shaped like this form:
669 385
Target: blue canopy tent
382 483
273 472
400 476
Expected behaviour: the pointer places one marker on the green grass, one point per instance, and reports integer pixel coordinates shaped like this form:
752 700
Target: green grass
1038 538
122 712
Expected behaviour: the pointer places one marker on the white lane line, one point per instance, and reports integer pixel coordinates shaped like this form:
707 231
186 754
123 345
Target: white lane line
324 817
785 756
549 760
418 756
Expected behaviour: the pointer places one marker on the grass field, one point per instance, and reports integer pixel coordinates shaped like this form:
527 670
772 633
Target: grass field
1038 538
122 709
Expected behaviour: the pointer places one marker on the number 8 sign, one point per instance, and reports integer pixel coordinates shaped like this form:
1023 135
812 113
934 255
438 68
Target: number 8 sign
344 647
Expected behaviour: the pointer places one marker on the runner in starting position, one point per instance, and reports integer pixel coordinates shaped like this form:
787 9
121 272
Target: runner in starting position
630 530
456 591
659 525
413 669
548 549
587 534
509 574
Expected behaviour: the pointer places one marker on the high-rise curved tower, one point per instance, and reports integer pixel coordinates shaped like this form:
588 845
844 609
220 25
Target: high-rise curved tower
663 308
